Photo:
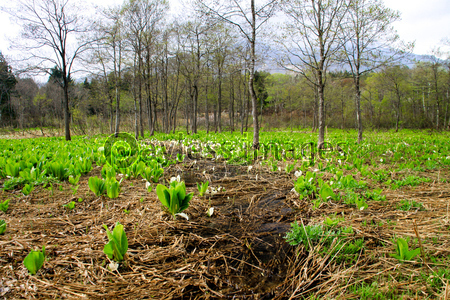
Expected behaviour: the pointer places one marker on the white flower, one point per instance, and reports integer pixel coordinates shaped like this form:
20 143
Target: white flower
298 173
147 184
113 266
183 215
249 168
256 177
316 170
101 149
293 190
172 179
381 160
210 211
361 208
448 157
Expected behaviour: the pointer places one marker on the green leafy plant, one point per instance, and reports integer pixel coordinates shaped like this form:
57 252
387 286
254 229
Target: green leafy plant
70 205
304 234
305 185
34 260
407 205
74 180
402 252
4 205
74 189
174 198
332 222
97 185
118 244
2 226
326 192
112 187
202 188
153 172
27 189
108 172
58 170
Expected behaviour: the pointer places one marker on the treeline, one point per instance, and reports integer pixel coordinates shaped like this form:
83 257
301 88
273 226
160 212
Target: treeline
150 74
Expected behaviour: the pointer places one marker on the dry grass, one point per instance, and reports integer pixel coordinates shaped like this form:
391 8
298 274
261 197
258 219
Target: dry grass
238 253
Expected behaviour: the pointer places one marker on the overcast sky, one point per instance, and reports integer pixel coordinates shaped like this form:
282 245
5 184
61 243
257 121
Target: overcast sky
425 22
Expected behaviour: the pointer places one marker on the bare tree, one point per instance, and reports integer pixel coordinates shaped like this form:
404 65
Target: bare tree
248 19
311 42
142 18
369 42
51 28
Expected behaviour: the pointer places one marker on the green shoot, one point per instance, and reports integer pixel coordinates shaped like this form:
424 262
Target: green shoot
74 180
2 226
70 205
118 243
97 186
202 188
402 252
4 205
34 260
174 198
27 189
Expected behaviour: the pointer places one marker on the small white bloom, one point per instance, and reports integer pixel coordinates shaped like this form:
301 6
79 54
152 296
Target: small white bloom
298 173
147 184
256 177
113 266
331 182
448 157
381 160
101 149
249 168
210 211
195 162
183 215
316 170
361 208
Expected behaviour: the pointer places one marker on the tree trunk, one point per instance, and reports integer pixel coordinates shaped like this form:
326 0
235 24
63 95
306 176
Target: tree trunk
251 80
219 99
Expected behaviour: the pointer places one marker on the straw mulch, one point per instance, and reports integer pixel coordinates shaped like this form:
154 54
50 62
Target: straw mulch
238 253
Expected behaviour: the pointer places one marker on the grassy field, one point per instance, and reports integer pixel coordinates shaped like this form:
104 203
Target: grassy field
368 221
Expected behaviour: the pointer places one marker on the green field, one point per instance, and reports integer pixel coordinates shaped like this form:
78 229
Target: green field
351 221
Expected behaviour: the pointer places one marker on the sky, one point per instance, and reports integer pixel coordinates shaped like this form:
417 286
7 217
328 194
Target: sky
425 22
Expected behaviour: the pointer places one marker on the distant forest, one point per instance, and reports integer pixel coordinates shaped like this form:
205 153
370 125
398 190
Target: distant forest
206 71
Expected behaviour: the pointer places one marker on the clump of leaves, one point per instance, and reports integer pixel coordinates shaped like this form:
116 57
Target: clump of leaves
402 251
304 234
112 187
410 180
118 244
27 189
174 198
97 186
305 185
4 205
202 188
70 205
108 172
407 205
2 226
326 192
34 260
153 172
74 180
